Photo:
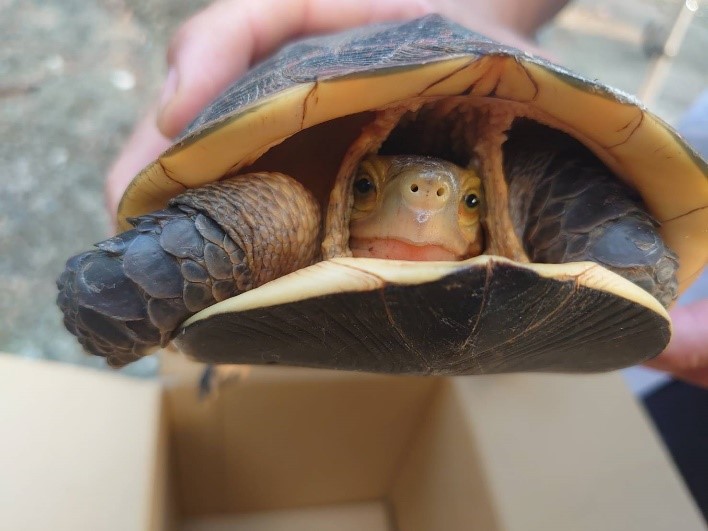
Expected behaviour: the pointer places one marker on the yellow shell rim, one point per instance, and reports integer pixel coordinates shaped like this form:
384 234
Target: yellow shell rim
637 145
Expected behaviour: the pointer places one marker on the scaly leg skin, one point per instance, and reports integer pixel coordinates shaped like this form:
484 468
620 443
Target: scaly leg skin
127 297
567 206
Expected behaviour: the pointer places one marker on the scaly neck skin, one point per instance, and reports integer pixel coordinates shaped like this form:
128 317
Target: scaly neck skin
415 208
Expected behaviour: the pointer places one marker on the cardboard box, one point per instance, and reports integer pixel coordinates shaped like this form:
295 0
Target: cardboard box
295 449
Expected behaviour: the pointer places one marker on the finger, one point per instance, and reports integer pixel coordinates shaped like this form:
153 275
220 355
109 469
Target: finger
220 43
143 146
698 377
686 356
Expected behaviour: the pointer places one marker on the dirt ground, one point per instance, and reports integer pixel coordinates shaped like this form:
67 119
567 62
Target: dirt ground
75 75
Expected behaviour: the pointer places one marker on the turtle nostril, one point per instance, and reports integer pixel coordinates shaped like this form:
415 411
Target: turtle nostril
414 187
441 191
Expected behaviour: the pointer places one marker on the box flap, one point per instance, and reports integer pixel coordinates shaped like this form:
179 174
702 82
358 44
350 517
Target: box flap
78 448
573 452
540 452
368 516
277 438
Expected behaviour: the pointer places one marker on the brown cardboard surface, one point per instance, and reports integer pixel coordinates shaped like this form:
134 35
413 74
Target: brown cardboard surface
371 516
281 448
572 452
77 448
281 438
441 482
539 452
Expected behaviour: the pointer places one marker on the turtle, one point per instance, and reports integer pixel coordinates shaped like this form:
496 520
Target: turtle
408 197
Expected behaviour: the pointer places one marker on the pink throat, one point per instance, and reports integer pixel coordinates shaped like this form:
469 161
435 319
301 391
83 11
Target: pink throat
398 250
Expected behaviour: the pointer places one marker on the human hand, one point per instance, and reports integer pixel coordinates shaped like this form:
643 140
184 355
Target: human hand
686 356
220 43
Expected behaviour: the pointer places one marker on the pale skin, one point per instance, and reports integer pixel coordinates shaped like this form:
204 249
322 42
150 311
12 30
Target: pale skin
220 43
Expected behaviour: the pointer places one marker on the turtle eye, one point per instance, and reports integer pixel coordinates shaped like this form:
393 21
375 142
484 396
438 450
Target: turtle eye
364 195
471 201
363 185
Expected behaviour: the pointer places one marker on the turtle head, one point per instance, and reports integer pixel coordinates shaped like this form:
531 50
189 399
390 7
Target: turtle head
415 208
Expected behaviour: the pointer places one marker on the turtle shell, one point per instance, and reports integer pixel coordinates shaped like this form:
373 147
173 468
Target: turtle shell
329 99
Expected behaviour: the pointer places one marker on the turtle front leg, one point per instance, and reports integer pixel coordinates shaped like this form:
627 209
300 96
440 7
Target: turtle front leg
567 206
128 296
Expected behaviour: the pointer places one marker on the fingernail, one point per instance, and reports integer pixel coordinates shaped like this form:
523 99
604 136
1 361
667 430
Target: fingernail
169 88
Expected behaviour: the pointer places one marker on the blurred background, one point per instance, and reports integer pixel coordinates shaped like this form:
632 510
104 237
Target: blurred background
76 75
